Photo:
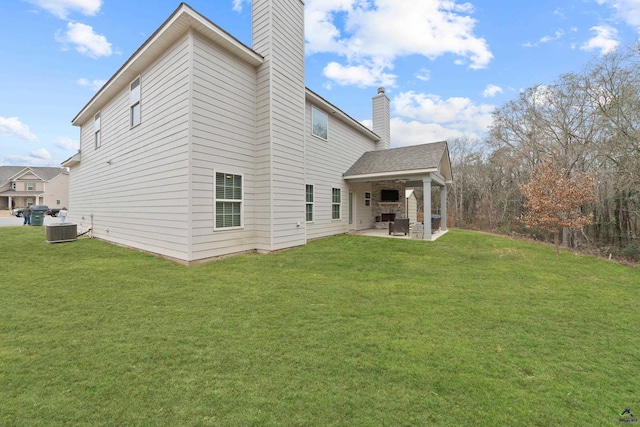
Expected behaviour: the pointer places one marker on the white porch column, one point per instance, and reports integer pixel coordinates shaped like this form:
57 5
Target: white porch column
10 207
426 187
443 208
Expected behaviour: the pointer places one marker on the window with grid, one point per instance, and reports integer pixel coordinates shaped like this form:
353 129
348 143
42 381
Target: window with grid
336 201
134 102
228 200
309 203
367 198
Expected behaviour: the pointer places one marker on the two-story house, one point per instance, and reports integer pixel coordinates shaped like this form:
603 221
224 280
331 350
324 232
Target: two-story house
22 186
200 146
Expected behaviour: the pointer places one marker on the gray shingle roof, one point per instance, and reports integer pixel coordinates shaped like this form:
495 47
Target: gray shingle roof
415 157
46 174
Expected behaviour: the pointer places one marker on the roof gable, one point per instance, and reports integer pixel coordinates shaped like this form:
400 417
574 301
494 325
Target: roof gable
12 173
180 21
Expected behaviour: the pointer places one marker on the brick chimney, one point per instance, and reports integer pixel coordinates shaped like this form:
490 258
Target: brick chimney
382 119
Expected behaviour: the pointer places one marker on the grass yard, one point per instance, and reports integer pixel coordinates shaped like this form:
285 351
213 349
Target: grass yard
472 329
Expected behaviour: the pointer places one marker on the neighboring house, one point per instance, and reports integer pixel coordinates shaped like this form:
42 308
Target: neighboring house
200 147
22 186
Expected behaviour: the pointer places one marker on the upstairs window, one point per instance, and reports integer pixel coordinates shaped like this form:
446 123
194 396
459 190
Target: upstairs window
309 214
96 129
319 123
134 102
228 200
336 201
30 186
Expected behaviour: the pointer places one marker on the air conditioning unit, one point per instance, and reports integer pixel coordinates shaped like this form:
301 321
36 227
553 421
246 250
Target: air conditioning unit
58 233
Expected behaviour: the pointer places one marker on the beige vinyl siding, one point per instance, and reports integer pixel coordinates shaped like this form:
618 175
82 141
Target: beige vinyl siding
223 134
57 189
325 162
136 183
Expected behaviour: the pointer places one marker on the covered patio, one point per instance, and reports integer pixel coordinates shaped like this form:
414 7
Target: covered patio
389 172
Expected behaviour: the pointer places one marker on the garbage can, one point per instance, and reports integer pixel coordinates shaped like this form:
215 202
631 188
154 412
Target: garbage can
37 217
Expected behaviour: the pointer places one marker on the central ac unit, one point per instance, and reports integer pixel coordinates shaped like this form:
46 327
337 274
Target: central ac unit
58 233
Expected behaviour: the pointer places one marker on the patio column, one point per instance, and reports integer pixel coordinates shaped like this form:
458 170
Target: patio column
10 207
426 194
443 208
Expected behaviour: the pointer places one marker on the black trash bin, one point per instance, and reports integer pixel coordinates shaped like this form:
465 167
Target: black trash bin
38 213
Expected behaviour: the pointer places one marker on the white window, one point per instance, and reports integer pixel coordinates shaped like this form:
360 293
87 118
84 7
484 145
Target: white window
228 200
30 186
96 129
319 123
367 198
309 203
134 102
336 201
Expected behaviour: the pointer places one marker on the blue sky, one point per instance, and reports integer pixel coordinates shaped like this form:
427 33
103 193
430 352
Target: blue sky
445 64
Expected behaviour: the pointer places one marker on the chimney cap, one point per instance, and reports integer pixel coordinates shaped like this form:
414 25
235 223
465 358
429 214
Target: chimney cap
380 90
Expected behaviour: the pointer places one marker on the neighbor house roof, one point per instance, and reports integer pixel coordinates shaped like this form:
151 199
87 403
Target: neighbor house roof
407 162
10 173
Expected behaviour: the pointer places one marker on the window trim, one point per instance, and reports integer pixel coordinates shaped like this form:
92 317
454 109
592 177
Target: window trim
135 96
315 110
367 198
29 186
309 204
334 203
216 200
97 130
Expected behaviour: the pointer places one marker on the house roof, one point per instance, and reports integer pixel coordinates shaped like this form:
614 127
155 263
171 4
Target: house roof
183 18
180 21
404 162
10 173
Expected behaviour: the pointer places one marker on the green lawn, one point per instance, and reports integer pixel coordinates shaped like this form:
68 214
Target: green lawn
472 329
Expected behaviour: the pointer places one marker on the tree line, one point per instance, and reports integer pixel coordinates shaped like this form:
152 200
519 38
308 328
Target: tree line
588 123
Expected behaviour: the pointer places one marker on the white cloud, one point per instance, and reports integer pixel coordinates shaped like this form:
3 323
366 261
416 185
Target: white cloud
424 75
358 75
405 133
62 8
11 126
30 160
237 4
491 90
41 154
374 33
93 84
605 40
67 143
556 36
86 41
626 10
454 116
